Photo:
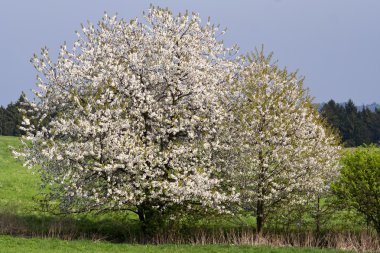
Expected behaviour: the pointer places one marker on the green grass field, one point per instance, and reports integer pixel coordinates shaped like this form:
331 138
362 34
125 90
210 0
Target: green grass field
12 245
18 185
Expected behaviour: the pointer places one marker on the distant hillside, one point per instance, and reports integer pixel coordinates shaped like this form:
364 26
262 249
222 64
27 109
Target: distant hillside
372 107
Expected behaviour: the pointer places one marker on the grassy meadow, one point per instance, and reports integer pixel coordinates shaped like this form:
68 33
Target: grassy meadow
17 184
12 245
20 219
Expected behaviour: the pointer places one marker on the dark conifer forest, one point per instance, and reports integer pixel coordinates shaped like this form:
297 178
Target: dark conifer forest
355 125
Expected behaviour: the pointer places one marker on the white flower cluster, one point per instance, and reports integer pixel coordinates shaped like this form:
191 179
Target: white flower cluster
131 114
283 153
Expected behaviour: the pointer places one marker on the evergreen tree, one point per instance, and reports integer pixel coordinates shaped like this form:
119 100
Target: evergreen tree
366 126
2 120
11 117
334 114
8 120
376 126
350 124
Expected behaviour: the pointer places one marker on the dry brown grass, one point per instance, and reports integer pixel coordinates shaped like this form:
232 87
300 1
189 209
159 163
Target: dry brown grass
69 229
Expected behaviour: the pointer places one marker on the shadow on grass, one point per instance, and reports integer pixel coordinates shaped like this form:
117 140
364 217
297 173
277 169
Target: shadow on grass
121 228
114 229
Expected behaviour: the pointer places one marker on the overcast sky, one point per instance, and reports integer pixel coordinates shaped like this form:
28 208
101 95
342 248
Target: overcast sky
335 44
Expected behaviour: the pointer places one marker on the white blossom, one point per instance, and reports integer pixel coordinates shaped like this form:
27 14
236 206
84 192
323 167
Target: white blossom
130 114
283 153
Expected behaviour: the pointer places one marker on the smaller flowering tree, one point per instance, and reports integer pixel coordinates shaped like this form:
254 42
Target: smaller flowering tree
282 153
129 118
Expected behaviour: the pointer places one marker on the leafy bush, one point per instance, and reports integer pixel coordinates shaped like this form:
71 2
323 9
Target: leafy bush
359 183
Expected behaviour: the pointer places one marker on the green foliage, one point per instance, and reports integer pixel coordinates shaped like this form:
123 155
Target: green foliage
320 215
359 183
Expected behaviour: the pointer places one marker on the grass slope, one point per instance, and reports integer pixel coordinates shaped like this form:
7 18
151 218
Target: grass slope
12 245
18 185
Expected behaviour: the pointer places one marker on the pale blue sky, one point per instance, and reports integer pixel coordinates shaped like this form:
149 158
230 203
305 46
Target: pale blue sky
334 43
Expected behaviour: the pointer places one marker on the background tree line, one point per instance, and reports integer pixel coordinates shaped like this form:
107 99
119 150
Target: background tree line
355 127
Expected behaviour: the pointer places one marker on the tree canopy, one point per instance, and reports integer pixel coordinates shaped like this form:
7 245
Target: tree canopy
134 111
159 117
283 153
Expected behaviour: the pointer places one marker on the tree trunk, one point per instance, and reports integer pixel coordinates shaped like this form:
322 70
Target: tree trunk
377 228
260 195
259 216
318 217
141 214
151 220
